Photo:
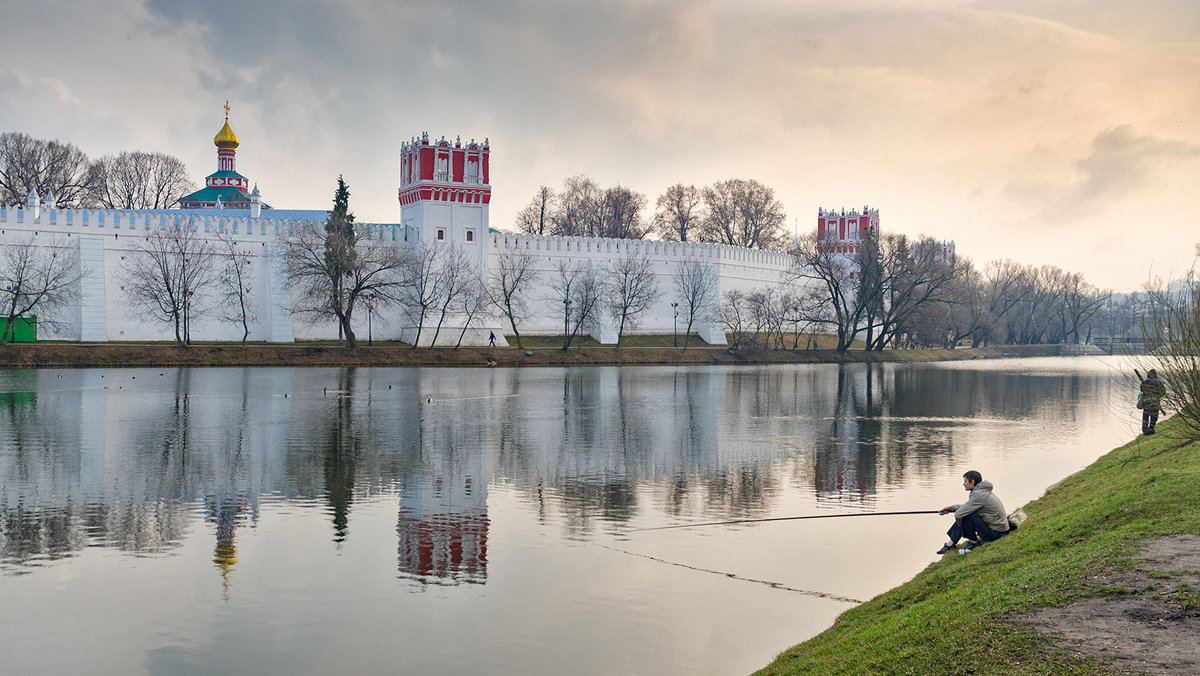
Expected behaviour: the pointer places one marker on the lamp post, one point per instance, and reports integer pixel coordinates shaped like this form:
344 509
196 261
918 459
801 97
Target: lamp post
187 326
10 331
566 320
370 312
675 326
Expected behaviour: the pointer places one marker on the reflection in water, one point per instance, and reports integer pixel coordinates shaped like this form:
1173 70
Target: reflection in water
130 459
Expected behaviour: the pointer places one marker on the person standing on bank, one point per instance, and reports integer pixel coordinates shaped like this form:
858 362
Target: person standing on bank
980 519
491 339
1150 402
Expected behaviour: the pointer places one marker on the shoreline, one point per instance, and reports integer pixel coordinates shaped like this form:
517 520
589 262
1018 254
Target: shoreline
1060 596
99 355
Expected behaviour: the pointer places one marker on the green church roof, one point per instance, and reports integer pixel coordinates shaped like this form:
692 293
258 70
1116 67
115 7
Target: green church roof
210 194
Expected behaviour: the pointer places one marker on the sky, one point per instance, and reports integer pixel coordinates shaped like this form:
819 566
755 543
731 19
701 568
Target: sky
1060 132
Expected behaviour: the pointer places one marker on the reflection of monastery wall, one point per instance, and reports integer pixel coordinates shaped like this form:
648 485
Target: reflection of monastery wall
131 459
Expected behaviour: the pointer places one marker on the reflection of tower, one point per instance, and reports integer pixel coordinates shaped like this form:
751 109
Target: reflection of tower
225 513
836 470
442 529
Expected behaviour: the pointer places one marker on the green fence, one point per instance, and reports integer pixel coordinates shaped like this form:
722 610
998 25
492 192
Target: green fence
24 329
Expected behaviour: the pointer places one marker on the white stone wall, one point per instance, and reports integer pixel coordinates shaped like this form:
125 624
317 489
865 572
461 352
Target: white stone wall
103 238
734 267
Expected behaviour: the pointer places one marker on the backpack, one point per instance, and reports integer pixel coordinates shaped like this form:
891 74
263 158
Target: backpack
1016 519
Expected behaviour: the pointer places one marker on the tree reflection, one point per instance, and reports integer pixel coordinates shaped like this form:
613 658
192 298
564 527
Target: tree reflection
128 458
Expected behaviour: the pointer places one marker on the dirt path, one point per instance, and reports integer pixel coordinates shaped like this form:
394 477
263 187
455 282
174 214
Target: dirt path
1145 620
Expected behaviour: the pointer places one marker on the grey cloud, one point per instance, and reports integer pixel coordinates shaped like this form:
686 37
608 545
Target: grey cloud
1121 162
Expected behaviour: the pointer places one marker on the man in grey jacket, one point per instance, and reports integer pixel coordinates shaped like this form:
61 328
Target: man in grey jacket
980 519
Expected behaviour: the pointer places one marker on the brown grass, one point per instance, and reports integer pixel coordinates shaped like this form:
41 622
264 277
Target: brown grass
74 355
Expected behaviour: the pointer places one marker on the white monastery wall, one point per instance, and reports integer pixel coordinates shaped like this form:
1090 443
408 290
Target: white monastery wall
734 268
103 239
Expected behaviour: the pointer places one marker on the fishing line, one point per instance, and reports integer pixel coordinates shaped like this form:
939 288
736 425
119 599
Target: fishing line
733 576
784 518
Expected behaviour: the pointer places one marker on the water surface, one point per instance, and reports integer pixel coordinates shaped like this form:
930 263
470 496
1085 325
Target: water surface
449 521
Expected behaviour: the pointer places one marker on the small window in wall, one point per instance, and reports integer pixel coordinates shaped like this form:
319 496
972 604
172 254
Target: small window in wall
441 235
470 235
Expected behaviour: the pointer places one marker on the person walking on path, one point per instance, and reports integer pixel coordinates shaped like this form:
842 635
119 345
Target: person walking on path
980 519
491 339
1150 400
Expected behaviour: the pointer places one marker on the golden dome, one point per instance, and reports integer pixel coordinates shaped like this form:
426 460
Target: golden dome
226 138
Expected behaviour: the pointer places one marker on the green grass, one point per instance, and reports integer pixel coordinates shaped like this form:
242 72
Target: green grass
1089 524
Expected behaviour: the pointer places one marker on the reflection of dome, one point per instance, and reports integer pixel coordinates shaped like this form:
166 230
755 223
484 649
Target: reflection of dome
225 556
226 138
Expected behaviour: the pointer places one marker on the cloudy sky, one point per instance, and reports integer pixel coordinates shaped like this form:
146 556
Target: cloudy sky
1063 132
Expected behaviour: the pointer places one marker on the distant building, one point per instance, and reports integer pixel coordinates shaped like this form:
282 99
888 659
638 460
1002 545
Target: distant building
225 188
839 232
844 232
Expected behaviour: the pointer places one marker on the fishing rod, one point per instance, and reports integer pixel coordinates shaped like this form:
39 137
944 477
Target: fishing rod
787 518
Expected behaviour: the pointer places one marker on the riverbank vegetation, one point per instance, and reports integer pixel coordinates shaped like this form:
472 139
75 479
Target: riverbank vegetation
975 614
542 351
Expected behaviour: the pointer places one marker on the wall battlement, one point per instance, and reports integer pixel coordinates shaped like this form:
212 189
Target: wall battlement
655 249
92 221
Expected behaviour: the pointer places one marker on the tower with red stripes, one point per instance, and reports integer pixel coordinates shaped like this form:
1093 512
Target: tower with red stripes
842 232
444 193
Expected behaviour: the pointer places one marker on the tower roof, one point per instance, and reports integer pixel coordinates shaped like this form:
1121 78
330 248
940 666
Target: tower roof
226 138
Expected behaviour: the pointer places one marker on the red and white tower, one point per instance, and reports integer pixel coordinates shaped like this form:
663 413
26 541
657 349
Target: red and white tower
841 232
444 195
445 191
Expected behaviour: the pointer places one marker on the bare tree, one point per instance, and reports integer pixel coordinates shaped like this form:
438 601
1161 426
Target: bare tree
334 267
234 280
164 272
908 277
535 218
424 290
472 304
632 289
584 209
1078 302
38 279
837 274
456 275
696 287
1005 285
44 167
620 214
679 213
578 288
138 180
744 213
576 213
737 315
512 279
1171 332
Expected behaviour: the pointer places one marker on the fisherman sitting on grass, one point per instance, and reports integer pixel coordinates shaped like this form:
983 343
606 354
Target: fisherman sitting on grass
980 519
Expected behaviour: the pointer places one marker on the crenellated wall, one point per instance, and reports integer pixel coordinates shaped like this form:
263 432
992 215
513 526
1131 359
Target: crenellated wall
734 268
103 238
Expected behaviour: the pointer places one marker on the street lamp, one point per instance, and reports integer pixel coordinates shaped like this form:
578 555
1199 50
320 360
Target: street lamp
675 329
187 327
566 320
370 312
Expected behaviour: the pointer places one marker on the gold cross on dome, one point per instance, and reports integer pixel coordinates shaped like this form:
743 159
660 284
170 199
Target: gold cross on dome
226 110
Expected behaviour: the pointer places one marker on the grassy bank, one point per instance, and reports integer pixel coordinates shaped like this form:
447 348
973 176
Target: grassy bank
539 353
1091 524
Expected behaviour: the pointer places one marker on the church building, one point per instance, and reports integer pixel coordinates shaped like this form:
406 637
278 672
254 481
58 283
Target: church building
225 188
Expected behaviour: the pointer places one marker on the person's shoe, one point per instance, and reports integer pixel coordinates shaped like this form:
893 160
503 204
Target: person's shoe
967 548
1150 431
947 548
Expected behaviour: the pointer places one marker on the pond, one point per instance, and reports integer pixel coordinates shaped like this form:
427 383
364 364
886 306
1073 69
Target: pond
450 521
